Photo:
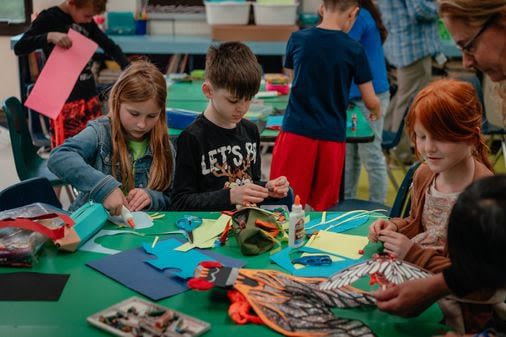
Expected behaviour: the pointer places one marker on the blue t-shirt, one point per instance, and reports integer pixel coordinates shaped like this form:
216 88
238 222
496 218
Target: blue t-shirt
324 62
364 30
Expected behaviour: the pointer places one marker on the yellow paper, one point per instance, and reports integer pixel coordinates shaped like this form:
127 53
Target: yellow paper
339 244
332 257
205 235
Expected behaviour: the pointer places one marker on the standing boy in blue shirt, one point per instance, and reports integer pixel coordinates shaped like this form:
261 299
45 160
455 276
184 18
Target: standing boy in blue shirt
311 147
218 155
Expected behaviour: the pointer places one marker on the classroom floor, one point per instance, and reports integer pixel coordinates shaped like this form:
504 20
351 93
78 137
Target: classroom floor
9 176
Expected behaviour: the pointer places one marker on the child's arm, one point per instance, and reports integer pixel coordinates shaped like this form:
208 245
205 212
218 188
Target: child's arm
371 101
73 160
36 37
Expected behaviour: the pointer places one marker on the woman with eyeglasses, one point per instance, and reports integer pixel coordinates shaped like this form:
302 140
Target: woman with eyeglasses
479 30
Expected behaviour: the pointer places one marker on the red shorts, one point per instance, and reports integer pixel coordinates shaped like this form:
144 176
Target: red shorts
73 118
313 167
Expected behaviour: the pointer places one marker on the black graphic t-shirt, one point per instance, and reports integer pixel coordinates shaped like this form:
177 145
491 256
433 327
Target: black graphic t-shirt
55 20
210 159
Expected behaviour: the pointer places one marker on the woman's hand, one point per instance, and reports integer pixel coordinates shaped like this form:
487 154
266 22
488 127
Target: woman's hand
114 201
138 199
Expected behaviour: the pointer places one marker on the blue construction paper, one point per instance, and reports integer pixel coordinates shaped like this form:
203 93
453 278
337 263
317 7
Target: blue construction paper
130 269
337 229
282 258
184 263
274 121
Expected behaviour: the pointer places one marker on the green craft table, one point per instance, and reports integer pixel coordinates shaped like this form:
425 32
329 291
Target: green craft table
188 95
88 291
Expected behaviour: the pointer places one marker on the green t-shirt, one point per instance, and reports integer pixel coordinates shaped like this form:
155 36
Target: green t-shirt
138 148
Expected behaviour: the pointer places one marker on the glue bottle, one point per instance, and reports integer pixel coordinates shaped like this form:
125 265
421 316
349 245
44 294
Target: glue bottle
296 232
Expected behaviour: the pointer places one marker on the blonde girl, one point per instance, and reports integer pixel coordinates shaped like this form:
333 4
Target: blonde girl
124 158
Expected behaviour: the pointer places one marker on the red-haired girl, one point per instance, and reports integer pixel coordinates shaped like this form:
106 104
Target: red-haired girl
444 123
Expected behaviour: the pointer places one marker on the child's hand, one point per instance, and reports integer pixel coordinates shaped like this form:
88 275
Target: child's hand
395 243
248 194
138 199
278 188
114 201
375 114
378 226
59 39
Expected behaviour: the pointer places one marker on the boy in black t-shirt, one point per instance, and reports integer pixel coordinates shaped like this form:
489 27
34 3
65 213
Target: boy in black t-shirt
218 155
50 28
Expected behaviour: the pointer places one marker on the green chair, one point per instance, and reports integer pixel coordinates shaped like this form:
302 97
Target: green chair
28 162
27 192
402 202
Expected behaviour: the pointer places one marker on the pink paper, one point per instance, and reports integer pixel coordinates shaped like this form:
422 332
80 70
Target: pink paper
59 75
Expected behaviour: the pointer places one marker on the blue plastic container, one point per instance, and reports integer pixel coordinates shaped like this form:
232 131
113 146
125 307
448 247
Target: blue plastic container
141 27
180 118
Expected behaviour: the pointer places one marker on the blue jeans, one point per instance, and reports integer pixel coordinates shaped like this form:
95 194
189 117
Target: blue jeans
370 155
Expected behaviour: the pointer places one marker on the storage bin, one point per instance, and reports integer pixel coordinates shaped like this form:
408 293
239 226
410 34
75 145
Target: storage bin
275 14
227 13
180 118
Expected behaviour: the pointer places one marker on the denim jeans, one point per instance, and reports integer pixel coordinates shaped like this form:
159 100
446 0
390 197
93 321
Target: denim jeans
370 155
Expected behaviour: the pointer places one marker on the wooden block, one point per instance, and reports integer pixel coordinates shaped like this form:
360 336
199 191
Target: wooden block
251 32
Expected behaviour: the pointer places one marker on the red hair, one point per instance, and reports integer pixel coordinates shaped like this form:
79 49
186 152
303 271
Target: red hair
450 111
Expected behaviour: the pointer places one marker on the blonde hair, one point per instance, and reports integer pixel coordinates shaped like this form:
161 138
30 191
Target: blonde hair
472 12
140 82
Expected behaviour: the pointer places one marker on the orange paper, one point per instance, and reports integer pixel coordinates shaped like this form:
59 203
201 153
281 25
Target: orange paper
59 75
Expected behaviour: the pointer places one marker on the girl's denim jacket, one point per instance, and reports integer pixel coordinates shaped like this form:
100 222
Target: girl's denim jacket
84 161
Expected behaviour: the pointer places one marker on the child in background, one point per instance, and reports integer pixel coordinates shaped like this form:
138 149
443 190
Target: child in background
49 29
310 149
125 158
368 29
218 155
444 124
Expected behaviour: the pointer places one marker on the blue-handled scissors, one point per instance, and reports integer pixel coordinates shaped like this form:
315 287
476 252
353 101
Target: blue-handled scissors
314 260
188 223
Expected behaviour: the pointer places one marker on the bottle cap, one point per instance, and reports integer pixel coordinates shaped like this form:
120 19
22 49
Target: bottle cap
297 200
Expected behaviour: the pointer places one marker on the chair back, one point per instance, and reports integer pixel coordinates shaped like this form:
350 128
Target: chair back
27 192
38 125
402 202
25 153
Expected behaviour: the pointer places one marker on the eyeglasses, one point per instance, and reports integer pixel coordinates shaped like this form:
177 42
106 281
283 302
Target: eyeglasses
468 47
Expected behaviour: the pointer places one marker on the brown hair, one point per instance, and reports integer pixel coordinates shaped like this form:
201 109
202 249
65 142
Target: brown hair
233 66
140 82
376 15
98 5
472 12
451 111
340 5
